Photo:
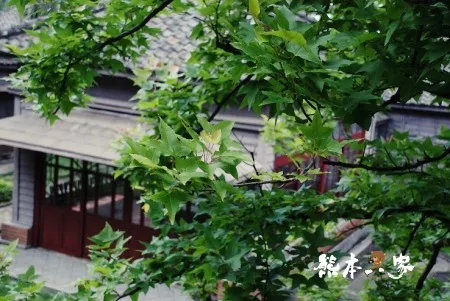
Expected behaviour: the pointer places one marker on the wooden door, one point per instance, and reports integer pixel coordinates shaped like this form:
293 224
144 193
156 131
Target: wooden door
61 229
61 206
76 199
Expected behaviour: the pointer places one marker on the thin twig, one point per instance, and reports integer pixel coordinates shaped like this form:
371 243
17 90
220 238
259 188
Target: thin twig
304 112
310 104
389 156
228 96
387 168
136 28
354 228
130 293
413 233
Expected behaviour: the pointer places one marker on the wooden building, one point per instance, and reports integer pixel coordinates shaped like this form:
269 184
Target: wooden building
64 190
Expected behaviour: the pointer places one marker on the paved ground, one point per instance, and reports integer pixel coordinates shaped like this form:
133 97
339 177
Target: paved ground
60 271
5 214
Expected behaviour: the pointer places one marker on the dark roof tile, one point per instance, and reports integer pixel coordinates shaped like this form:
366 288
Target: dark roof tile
174 41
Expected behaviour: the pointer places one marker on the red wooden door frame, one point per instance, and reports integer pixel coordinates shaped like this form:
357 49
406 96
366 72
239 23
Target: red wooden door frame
39 194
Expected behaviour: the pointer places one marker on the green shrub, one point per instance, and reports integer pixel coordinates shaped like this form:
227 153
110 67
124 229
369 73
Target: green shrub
5 190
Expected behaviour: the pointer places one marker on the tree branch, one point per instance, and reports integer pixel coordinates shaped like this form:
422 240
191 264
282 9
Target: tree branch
132 292
304 112
389 156
288 180
136 28
264 182
226 46
353 228
436 249
388 168
413 233
228 96
436 213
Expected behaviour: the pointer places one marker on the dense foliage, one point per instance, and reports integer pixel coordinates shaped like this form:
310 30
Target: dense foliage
305 64
6 187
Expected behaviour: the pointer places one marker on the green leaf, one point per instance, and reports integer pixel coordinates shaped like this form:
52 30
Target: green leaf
189 164
149 163
206 269
316 280
147 151
168 137
288 35
206 125
210 240
116 65
297 280
221 187
286 17
16 50
102 270
318 138
171 200
235 261
212 137
391 29
184 177
304 52
135 296
250 92
254 8
106 236
224 126
236 155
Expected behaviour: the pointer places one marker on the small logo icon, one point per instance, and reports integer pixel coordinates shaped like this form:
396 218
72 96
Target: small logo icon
377 258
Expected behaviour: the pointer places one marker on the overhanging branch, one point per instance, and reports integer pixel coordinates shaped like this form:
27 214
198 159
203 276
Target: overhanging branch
228 97
136 28
390 168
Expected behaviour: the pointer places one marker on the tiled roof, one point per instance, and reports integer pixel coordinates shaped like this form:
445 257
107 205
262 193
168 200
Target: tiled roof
425 99
173 46
96 130
9 20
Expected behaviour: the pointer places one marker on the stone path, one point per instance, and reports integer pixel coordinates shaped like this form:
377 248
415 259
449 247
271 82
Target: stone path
60 272
5 214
